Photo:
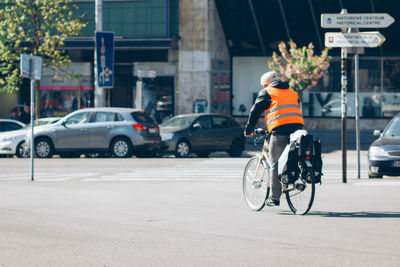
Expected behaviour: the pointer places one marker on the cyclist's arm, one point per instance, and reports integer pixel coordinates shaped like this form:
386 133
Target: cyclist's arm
263 101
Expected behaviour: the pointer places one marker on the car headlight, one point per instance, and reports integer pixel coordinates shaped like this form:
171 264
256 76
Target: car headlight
167 136
376 151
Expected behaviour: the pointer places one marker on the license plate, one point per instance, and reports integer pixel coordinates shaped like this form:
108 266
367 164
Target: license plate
396 163
152 130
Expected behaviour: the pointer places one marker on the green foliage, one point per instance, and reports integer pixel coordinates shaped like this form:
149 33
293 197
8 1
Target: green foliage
35 27
300 66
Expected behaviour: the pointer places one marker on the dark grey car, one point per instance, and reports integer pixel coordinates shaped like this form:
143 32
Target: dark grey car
202 134
384 153
119 131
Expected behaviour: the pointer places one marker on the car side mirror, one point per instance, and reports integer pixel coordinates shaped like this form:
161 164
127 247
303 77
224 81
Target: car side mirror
377 132
196 125
64 123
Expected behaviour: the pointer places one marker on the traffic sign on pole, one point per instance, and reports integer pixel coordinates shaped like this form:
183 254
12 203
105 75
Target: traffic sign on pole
359 39
368 20
105 59
31 67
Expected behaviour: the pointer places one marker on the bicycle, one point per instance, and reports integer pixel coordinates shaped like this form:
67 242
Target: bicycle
295 169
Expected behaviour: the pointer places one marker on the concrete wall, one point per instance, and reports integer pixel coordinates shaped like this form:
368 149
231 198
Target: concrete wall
201 41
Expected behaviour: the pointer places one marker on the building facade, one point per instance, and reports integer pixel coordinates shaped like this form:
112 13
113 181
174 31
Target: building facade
182 41
208 55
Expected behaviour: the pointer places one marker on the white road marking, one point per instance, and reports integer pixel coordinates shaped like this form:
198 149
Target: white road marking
378 183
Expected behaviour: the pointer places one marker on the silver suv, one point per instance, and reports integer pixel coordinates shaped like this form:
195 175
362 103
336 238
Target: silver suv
119 131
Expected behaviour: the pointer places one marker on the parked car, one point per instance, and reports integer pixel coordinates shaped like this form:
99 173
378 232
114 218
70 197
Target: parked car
384 153
13 142
202 134
119 131
10 125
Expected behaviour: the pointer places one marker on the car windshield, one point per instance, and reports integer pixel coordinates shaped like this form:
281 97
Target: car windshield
181 122
40 122
394 128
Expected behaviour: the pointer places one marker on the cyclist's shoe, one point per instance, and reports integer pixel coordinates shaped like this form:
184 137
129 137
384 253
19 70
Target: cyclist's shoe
272 202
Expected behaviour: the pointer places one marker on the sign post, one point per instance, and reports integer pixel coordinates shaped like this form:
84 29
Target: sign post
31 68
347 39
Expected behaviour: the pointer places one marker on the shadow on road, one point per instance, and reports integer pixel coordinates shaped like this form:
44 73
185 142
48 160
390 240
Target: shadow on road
357 214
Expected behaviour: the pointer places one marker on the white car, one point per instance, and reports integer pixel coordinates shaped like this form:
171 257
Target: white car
10 125
13 142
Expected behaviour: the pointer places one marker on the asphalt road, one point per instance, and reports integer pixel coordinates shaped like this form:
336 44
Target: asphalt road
188 212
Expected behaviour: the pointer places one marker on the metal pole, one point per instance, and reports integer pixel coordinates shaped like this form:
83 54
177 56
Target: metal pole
99 100
382 76
344 112
356 85
344 106
32 116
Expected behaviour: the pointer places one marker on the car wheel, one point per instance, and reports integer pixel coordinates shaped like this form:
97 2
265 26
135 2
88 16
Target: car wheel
374 175
121 148
203 154
43 148
236 148
182 149
21 152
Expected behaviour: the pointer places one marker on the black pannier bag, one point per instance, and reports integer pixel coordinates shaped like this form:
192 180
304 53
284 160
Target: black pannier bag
317 161
292 165
306 146
312 150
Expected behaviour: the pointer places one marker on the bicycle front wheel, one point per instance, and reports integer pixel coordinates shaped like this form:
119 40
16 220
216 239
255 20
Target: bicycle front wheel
300 195
256 183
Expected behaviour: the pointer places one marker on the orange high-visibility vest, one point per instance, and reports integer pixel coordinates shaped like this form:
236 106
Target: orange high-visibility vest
284 108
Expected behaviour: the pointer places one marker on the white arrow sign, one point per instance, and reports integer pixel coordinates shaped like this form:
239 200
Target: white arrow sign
368 20
359 39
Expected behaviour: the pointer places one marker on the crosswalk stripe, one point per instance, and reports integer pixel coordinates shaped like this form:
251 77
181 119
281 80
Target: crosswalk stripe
153 179
378 183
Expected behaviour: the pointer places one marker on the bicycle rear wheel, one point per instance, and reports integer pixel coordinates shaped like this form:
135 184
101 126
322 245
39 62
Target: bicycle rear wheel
256 185
300 195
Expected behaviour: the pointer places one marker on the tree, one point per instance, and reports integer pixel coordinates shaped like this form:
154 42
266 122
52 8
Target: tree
300 66
35 27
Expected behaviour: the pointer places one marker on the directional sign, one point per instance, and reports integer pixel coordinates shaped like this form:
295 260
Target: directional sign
359 39
368 20
105 59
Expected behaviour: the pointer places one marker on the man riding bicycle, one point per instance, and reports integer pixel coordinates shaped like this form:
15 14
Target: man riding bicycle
283 116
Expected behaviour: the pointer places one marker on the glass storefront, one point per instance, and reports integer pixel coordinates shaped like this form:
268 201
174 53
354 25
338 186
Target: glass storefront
60 96
379 87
